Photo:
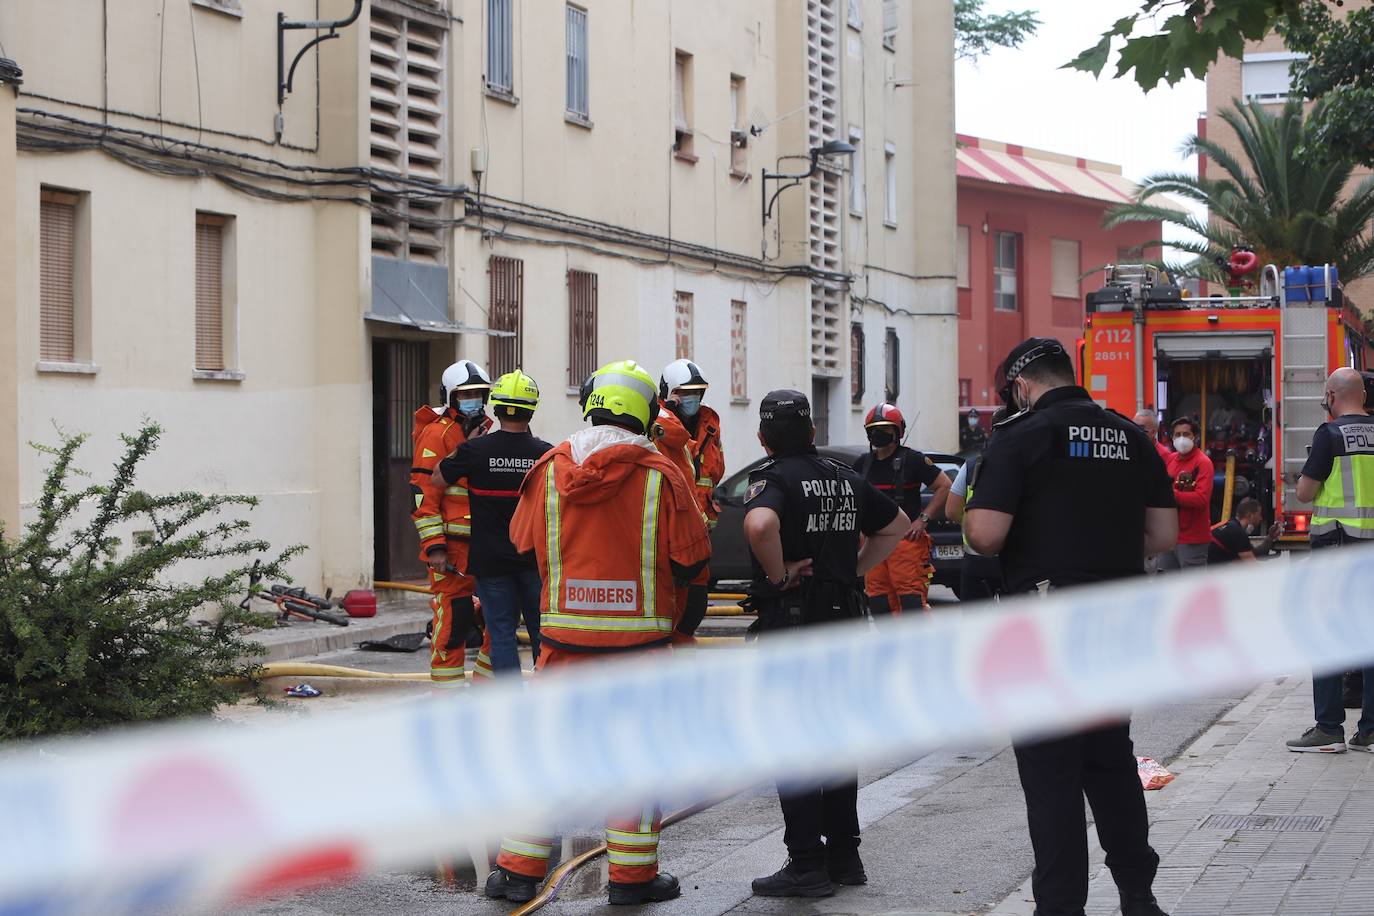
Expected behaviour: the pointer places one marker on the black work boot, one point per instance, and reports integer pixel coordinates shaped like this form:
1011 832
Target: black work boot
1140 905
502 884
845 868
793 880
663 887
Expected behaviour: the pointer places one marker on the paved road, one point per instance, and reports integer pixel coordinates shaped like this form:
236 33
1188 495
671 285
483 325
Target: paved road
943 834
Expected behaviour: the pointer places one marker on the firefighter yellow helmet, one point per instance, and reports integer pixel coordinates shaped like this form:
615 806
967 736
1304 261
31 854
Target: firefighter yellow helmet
622 392
513 392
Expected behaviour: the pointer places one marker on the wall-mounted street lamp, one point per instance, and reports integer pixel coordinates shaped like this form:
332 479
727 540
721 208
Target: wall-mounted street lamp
825 150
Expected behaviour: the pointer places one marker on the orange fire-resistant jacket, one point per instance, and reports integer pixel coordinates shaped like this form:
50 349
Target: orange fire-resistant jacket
439 513
701 457
612 523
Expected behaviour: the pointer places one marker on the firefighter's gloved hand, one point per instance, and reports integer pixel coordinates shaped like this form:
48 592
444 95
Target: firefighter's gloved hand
437 559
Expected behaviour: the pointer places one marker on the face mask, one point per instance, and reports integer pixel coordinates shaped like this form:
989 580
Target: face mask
1183 444
973 422
881 438
1251 529
1328 406
689 404
470 407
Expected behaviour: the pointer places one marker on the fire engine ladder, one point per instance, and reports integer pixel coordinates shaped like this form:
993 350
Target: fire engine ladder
1304 370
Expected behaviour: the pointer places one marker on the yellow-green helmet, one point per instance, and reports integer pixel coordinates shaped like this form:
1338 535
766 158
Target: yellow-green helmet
621 391
514 391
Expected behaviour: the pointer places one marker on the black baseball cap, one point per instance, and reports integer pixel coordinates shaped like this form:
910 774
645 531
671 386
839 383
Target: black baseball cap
784 404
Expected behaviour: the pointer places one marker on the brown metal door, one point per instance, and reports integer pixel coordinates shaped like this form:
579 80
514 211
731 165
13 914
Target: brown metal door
400 383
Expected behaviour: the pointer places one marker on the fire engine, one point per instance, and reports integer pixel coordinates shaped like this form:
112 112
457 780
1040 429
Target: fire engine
1249 366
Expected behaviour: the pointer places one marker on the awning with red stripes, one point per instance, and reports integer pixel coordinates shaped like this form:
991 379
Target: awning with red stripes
1007 163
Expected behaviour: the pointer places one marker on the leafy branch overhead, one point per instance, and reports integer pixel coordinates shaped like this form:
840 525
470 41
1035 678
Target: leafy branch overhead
1187 41
1170 40
976 33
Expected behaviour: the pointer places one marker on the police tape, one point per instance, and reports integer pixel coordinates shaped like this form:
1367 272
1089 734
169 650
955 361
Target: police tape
181 817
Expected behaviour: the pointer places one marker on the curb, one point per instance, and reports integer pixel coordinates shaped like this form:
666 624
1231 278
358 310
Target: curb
302 640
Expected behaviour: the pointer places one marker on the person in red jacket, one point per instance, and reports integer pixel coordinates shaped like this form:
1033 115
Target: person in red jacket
1191 471
442 516
614 528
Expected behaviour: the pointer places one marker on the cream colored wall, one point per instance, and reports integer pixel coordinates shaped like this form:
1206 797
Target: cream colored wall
904 97
622 171
296 430
9 316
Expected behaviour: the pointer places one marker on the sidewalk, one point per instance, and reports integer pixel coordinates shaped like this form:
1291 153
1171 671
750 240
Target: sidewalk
1250 828
397 612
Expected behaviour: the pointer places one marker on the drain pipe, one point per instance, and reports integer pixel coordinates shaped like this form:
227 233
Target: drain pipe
1139 324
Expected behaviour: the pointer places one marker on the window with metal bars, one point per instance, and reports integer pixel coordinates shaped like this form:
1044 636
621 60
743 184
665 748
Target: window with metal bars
581 326
57 276
892 366
856 363
682 323
578 103
407 134
506 278
739 350
500 46
211 237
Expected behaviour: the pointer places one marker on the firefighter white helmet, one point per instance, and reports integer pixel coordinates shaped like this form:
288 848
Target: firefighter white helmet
680 373
464 375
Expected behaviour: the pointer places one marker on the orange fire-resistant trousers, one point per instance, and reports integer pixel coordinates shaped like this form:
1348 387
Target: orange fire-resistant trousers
631 837
903 578
454 609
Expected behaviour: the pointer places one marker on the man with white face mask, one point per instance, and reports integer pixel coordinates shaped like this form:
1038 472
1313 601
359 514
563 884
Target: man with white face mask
687 432
1192 473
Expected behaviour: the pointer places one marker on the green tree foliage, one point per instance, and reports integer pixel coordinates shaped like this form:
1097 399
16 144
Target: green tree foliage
95 632
1339 70
976 33
1290 209
1190 34
1188 40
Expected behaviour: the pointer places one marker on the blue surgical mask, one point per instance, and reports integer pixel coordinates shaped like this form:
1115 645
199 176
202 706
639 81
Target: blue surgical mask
470 407
691 403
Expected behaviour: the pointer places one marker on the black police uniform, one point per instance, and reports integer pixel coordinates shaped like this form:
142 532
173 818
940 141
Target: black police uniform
1077 480
823 507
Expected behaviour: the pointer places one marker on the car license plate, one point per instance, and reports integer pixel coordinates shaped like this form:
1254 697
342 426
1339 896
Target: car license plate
949 552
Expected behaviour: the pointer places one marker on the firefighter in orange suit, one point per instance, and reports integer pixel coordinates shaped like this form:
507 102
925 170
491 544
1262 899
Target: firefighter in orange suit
901 582
613 526
442 516
687 432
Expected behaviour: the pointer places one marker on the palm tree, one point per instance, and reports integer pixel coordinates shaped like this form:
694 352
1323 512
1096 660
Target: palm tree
1284 201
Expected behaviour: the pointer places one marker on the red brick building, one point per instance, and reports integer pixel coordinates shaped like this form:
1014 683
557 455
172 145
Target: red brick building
1029 225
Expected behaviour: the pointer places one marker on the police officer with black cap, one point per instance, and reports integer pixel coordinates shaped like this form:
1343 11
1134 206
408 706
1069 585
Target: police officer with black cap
1070 493
804 516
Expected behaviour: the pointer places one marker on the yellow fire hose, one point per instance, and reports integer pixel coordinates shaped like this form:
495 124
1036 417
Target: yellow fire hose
1230 487
562 872
727 596
403 587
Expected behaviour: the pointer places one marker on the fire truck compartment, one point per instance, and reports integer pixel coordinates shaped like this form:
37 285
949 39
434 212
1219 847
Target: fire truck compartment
1225 383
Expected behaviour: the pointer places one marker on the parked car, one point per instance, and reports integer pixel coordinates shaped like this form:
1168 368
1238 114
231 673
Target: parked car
730 551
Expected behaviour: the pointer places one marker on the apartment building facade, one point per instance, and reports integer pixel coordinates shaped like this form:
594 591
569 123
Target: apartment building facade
1262 74
278 273
1029 241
